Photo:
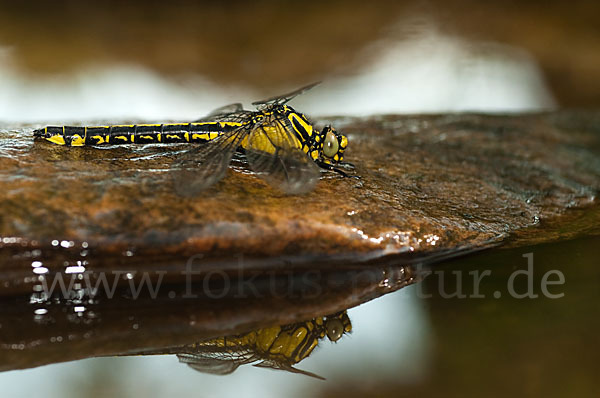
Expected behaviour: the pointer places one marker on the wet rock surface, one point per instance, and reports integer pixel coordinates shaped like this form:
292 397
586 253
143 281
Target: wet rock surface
431 186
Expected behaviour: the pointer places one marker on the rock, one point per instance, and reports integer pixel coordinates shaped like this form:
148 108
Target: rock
431 187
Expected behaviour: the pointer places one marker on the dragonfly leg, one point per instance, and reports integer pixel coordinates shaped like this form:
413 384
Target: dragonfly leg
346 165
327 166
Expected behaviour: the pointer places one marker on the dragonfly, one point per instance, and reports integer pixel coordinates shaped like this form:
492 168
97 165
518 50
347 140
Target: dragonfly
280 144
278 347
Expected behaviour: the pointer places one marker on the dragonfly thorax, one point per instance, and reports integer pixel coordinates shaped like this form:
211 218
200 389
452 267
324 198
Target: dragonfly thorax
326 145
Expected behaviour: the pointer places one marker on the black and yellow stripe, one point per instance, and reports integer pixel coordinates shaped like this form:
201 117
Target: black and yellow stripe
135 133
274 129
277 347
288 344
306 337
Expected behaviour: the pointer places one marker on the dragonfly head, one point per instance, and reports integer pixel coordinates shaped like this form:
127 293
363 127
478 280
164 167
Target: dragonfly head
333 145
337 325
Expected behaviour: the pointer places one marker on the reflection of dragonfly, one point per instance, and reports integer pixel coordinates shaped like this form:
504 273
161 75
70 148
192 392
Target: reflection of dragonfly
278 347
280 143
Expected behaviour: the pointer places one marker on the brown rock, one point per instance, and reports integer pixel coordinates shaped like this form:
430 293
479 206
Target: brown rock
431 186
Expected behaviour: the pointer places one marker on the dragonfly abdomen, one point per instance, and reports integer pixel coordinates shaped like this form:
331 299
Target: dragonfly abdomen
135 133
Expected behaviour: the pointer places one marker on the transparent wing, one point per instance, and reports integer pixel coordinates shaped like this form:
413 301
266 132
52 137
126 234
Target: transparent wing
231 108
205 164
229 112
276 155
284 98
286 367
224 362
216 362
213 366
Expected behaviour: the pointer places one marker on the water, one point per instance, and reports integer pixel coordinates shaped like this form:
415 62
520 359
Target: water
413 341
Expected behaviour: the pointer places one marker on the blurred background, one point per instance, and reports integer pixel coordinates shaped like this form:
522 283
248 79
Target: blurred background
73 60
429 340
70 61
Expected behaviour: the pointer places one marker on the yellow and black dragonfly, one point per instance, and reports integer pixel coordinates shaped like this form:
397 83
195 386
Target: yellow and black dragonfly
278 347
280 144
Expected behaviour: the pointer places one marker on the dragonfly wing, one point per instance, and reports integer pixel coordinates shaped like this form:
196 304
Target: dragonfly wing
276 155
284 98
209 365
205 164
223 112
219 361
286 367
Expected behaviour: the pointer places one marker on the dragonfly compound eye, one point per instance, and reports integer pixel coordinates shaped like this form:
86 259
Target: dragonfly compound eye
331 145
335 329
